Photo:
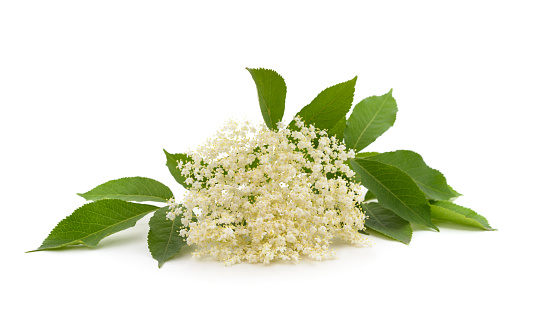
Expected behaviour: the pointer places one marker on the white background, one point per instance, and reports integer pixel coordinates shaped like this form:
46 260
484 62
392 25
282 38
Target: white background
94 90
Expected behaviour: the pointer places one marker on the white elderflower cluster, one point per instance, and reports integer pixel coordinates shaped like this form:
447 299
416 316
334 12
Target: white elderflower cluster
260 195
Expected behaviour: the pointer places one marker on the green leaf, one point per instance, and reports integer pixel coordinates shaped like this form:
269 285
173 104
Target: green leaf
447 211
271 90
338 129
172 164
370 119
387 222
430 180
357 177
455 193
94 221
395 190
370 196
164 240
366 154
138 189
329 107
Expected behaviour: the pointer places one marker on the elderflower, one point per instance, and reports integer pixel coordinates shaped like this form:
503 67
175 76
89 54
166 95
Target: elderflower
260 195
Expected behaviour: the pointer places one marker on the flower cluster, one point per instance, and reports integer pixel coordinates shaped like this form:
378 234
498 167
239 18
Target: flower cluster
259 195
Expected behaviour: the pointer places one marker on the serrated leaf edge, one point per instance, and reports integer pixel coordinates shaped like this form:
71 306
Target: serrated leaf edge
488 228
79 241
370 122
87 196
344 89
385 234
433 226
167 154
371 157
259 92
161 262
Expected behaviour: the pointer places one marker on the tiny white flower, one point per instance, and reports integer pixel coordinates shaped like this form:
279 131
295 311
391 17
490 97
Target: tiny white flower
171 215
